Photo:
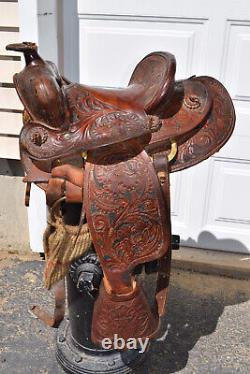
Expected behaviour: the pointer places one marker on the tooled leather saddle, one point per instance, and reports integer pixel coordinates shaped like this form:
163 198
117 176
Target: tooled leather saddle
130 140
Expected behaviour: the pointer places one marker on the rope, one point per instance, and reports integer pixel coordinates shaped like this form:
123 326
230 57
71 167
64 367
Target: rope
62 245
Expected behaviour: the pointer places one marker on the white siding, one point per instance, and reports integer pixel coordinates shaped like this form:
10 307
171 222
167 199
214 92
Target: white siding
10 63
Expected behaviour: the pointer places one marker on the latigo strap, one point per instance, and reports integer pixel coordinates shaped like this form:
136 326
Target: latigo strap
53 320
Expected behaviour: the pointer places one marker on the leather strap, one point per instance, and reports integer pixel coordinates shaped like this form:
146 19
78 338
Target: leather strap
53 320
161 165
27 194
164 270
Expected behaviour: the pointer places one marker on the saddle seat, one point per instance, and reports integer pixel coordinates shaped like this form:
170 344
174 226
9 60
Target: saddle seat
197 113
152 79
180 106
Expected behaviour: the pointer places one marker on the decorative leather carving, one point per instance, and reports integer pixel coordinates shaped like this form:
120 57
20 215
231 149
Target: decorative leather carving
194 103
127 134
126 315
156 74
203 142
126 214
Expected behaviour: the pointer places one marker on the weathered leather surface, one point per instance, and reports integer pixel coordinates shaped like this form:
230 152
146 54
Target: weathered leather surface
106 128
126 315
218 127
155 73
39 88
189 106
208 136
125 209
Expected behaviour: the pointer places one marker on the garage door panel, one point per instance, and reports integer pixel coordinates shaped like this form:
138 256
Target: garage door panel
236 60
113 42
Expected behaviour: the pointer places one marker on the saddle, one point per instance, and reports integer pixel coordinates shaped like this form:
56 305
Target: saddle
127 141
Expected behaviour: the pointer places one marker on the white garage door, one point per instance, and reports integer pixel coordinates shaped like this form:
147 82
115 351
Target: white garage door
210 202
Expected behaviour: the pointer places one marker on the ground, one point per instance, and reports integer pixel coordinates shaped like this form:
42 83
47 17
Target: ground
206 329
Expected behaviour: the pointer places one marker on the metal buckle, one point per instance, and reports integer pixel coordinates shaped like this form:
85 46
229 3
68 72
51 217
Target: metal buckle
173 152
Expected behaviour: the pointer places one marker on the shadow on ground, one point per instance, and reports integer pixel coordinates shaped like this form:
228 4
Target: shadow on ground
218 244
206 329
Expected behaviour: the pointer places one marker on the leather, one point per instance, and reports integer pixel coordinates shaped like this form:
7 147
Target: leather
207 137
126 214
52 320
125 315
194 103
161 166
120 140
66 181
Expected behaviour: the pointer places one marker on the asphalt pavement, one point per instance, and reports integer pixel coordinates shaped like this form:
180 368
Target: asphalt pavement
206 328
